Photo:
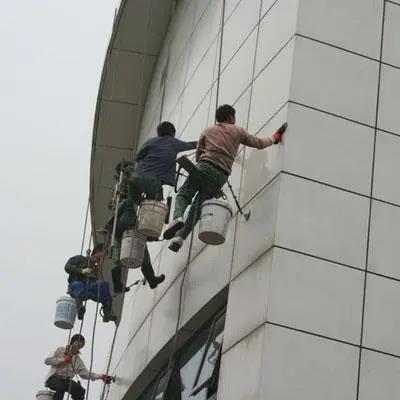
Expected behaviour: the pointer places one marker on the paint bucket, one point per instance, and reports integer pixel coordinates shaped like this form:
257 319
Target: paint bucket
65 312
133 246
152 216
214 219
44 395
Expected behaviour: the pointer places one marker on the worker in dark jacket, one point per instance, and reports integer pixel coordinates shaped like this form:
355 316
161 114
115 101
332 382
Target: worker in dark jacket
216 151
155 167
65 363
83 282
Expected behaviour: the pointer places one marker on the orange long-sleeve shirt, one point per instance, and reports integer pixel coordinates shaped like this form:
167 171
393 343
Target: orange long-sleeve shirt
219 144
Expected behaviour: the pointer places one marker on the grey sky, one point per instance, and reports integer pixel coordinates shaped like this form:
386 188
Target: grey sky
52 55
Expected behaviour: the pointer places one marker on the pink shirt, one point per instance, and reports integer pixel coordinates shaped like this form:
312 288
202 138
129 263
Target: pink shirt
219 144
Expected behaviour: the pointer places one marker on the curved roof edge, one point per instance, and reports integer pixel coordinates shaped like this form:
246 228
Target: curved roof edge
137 37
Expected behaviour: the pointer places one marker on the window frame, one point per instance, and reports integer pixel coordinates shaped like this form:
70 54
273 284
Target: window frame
197 387
168 373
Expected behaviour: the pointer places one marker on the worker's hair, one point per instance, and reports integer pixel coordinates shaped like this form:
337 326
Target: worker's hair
224 112
77 338
96 249
166 128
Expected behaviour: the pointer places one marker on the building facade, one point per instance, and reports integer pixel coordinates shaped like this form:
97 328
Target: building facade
301 300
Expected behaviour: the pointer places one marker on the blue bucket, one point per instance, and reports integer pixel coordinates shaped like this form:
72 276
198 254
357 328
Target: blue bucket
65 313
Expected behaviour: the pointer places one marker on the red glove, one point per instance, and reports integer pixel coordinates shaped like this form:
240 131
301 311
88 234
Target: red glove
68 359
278 134
107 379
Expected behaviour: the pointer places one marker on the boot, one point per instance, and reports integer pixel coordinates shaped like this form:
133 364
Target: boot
175 226
81 312
116 274
156 280
108 314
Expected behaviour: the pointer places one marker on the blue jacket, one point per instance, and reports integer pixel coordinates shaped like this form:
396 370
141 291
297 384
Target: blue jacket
157 157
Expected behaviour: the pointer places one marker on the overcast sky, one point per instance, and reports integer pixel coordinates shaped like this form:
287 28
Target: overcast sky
52 55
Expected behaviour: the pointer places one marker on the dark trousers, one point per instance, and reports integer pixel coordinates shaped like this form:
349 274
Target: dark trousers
139 185
62 385
192 192
147 271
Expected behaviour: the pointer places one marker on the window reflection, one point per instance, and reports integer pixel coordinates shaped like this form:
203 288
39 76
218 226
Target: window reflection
196 368
212 352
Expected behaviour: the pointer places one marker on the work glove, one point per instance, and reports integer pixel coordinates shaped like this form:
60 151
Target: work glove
107 379
67 359
86 271
277 137
98 257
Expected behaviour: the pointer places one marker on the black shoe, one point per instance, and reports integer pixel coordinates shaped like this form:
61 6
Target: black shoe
127 289
109 317
153 239
153 283
81 312
108 314
119 288
176 244
175 226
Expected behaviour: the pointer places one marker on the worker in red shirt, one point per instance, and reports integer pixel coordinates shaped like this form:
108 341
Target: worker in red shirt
215 154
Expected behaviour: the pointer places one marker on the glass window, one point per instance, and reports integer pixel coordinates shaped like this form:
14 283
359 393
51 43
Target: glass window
212 352
190 360
196 367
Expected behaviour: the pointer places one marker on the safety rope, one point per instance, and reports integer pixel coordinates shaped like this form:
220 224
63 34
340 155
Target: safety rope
103 397
175 341
99 269
145 55
141 94
80 329
85 226
109 361
174 346
220 53
167 63
81 253
94 331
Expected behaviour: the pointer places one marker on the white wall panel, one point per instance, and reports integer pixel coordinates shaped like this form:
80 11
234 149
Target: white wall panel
277 27
355 25
391 48
301 366
336 81
322 221
382 320
329 149
384 240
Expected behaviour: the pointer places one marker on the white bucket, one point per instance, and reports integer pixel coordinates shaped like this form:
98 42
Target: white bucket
214 219
44 395
132 249
152 216
65 312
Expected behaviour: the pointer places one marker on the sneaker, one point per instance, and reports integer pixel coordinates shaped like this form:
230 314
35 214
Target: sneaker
156 281
176 244
174 227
